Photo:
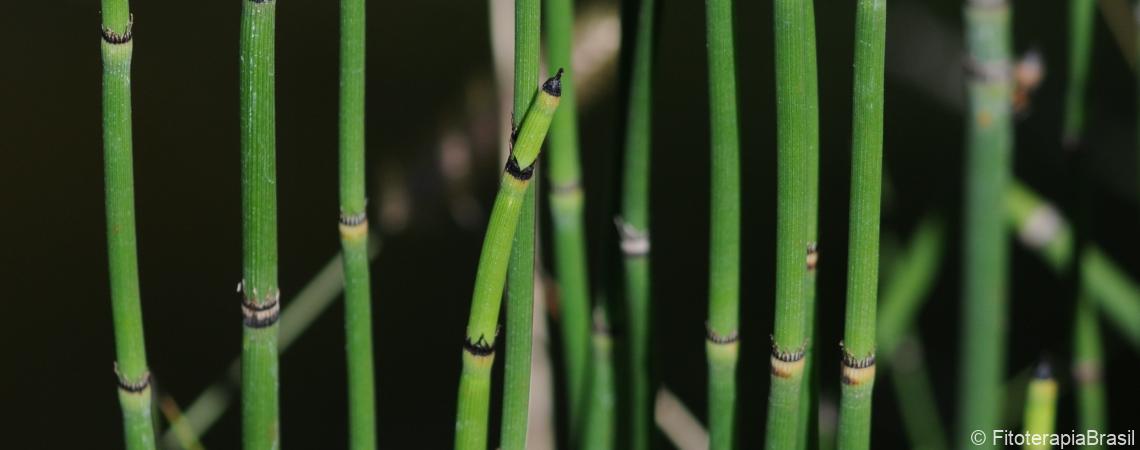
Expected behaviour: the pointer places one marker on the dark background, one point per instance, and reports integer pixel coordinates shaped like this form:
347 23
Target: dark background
56 342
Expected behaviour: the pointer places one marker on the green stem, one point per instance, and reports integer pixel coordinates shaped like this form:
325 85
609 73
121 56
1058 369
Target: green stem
1115 293
598 431
1088 366
634 224
863 245
985 262
1081 18
354 230
1040 409
724 243
566 204
915 395
122 254
908 283
483 324
797 128
809 407
520 278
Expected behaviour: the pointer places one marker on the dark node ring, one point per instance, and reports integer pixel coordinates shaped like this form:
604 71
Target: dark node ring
261 1
788 357
127 386
553 86
479 347
114 38
262 315
719 339
852 362
352 220
519 173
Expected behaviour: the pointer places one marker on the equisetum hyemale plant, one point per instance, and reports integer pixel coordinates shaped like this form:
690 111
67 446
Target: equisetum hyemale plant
354 231
858 362
118 172
566 205
796 128
1082 15
520 279
985 253
1040 408
633 226
721 345
260 296
808 423
482 326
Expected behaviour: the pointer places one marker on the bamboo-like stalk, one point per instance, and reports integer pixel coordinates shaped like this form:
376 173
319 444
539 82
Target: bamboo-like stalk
131 368
908 283
795 112
918 407
482 327
1088 363
858 378
354 230
808 436
520 268
1040 408
566 206
1081 18
260 295
1114 292
985 255
598 422
634 228
721 344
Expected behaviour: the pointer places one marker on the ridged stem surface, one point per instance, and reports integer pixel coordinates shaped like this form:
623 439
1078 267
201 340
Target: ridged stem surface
985 254
807 437
122 252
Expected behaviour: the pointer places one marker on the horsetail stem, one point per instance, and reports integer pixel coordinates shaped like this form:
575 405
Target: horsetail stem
1040 408
809 410
566 205
721 345
795 112
131 368
1088 366
520 277
261 297
634 228
354 230
863 245
482 327
598 422
1081 18
985 257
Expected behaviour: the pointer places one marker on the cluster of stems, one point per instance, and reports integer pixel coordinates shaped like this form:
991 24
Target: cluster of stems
490 278
721 345
634 229
134 377
354 230
858 377
985 254
520 277
797 129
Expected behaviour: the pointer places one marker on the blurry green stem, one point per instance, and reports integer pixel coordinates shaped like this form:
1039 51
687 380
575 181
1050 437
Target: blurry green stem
1088 367
1040 408
917 404
1081 19
598 421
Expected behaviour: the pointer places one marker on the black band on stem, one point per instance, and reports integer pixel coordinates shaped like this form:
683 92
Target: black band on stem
479 347
519 173
719 339
127 386
788 356
114 38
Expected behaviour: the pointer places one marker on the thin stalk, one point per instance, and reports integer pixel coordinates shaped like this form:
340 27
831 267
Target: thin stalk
1116 294
131 368
634 228
520 277
858 378
907 284
809 406
1088 366
598 423
566 206
985 262
796 129
721 345
1082 15
915 394
483 324
1040 409
354 231
261 297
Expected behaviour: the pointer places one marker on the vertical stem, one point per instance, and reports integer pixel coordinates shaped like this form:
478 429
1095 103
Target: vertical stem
634 227
863 245
795 109
520 278
1088 366
483 324
721 344
598 421
1040 408
917 405
354 230
1081 18
260 303
809 408
118 172
984 266
566 204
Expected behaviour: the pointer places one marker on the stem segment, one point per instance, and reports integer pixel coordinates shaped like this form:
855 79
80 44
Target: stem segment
1081 18
990 142
131 369
1040 408
354 230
